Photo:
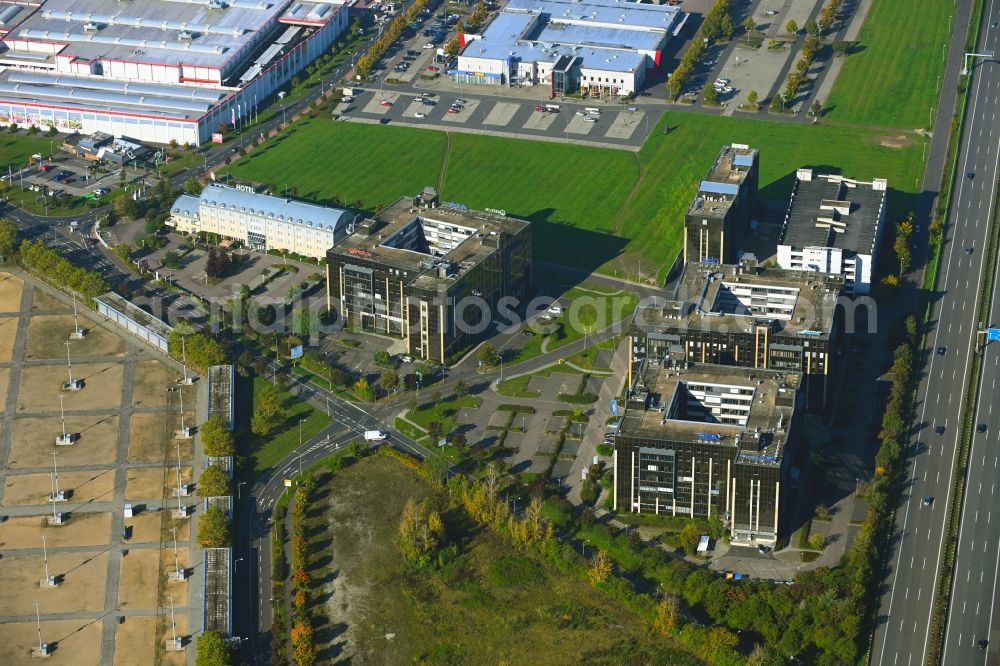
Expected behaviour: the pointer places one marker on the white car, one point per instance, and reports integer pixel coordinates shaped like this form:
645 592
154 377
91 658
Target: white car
590 119
418 114
722 82
428 45
581 113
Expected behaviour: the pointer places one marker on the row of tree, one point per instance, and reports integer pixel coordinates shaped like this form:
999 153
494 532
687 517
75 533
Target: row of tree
303 634
717 24
269 411
200 350
57 269
390 34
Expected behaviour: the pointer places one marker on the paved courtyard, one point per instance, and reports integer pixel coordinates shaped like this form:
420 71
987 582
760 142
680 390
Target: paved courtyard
111 604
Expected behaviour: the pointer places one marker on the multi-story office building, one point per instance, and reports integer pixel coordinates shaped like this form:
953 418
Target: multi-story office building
708 441
434 275
747 316
261 221
833 225
720 214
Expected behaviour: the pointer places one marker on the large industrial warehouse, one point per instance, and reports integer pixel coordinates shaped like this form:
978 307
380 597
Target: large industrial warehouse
600 48
155 70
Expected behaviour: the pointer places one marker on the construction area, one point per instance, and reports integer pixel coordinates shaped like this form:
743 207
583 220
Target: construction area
99 515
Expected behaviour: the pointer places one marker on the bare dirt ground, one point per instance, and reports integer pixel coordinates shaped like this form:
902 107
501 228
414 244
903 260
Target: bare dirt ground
152 378
42 384
8 331
140 577
11 288
48 334
153 483
146 527
135 642
152 441
34 439
42 300
83 529
77 641
82 588
21 489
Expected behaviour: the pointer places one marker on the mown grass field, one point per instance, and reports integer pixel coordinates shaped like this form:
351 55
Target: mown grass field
268 451
892 79
591 208
16 149
490 604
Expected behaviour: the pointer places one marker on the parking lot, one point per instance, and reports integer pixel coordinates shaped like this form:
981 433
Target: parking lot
613 124
70 175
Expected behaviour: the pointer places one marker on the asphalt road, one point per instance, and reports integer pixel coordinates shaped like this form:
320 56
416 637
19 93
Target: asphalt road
902 636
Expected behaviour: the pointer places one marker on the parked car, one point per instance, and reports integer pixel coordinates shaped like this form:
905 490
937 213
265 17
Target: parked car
385 103
419 114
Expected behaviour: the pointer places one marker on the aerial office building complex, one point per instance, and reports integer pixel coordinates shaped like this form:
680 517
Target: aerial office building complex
721 212
833 225
434 275
601 48
261 221
744 315
704 441
154 70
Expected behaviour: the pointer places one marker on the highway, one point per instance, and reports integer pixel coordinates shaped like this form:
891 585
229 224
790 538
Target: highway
902 635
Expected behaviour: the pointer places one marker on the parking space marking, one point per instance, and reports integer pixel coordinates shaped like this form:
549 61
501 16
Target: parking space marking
539 121
577 125
463 115
501 114
374 105
624 124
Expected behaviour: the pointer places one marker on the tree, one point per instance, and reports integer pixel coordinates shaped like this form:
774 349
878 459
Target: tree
453 46
213 482
750 26
192 186
811 28
435 430
217 264
214 529
260 425
127 207
389 379
172 260
123 252
667 615
689 538
382 358
213 650
710 94
817 541
752 100
816 110
461 389
8 236
777 103
904 230
489 355
792 27
364 391
601 569
216 438
841 48
153 226
458 440
337 377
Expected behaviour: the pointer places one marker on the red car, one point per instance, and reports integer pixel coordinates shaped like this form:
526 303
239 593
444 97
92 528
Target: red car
432 68
539 108
452 109
385 102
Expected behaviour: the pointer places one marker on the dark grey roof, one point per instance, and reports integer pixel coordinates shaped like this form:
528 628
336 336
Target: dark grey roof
831 211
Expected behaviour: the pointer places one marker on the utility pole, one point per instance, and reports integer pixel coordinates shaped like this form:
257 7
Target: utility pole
72 385
56 493
77 331
45 557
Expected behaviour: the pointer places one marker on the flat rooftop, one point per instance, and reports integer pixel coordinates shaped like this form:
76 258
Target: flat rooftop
683 404
718 190
195 32
220 393
609 13
154 100
135 313
433 246
833 211
733 298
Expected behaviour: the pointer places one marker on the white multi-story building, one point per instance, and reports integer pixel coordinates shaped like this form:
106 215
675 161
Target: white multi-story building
154 70
833 225
261 221
598 47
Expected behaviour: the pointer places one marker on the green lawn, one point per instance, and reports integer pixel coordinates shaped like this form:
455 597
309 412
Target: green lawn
444 412
588 313
16 149
517 387
487 602
588 205
324 160
892 80
268 451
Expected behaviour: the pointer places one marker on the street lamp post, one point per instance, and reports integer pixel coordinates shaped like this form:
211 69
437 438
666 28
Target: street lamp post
239 495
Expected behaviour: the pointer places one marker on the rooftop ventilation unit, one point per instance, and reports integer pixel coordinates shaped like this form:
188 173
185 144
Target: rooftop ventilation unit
185 36
90 27
217 4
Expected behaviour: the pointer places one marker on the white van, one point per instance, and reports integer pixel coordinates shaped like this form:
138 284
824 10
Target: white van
374 435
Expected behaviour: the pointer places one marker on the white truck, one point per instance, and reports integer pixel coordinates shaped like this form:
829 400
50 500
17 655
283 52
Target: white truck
374 435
